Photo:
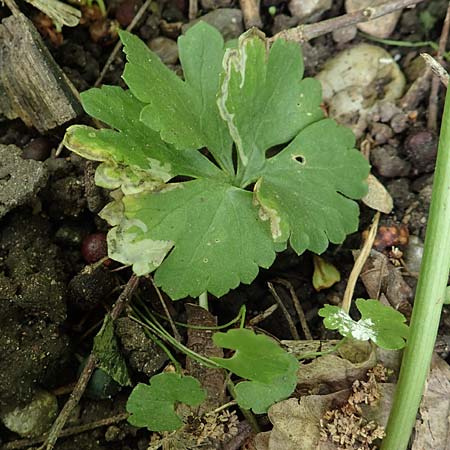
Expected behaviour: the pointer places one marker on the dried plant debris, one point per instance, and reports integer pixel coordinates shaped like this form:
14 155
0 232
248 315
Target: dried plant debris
346 425
210 432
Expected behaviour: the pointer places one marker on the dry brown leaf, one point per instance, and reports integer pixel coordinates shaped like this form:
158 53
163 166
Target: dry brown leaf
378 198
381 277
432 430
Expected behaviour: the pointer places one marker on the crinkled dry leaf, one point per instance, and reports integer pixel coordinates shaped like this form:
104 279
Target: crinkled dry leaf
378 198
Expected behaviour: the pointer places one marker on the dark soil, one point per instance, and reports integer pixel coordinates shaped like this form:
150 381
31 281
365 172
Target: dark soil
53 302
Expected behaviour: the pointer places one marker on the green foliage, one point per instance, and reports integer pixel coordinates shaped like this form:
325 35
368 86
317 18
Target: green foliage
213 230
153 405
382 324
271 370
107 351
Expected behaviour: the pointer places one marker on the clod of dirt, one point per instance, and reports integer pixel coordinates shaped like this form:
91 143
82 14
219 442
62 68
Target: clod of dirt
91 286
32 292
20 179
381 133
227 20
401 193
142 353
387 161
356 80
381 27
65 197
309 10
165 48
421 149
35 418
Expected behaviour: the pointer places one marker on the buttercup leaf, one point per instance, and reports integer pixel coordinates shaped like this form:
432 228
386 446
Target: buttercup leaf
382 324
153 405
234 211
271 370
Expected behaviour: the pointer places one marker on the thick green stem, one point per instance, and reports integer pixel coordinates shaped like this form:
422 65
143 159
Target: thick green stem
428 302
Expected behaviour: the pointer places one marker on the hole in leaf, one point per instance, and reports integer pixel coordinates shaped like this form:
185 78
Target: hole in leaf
300 159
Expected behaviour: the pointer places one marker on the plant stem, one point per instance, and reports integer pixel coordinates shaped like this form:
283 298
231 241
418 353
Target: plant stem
203 301
428 302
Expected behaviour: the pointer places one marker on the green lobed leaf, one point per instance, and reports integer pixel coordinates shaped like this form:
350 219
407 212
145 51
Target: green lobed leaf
301 187
153 405
272 371
184 112
263 99
219 239
212 233
131 144
382 324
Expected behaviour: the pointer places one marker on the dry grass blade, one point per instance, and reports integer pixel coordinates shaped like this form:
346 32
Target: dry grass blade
359 264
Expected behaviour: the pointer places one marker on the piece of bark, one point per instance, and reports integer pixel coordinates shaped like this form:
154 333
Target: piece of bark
213 380
32 86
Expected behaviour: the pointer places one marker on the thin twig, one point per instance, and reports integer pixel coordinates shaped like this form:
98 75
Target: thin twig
22 443
176 334
288 317
298 307
359 264
263 316
118 46
436 68
304 33
416 92
250 12
89 368
193 9
435 82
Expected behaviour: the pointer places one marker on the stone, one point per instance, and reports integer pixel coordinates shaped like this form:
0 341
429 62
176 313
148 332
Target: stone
351 83
227 20
20 179
388 163
165 48
35 418
309 10
381 27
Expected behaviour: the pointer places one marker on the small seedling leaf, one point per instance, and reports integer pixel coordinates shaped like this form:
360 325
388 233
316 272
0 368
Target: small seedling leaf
110 359
153 405
382 324
271 370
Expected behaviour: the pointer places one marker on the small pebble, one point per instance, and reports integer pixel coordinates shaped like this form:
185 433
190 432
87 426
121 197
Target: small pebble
381 133
388 163
344 35
399 122
35 418
413 254
421 149
165 48
38 149
309 9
